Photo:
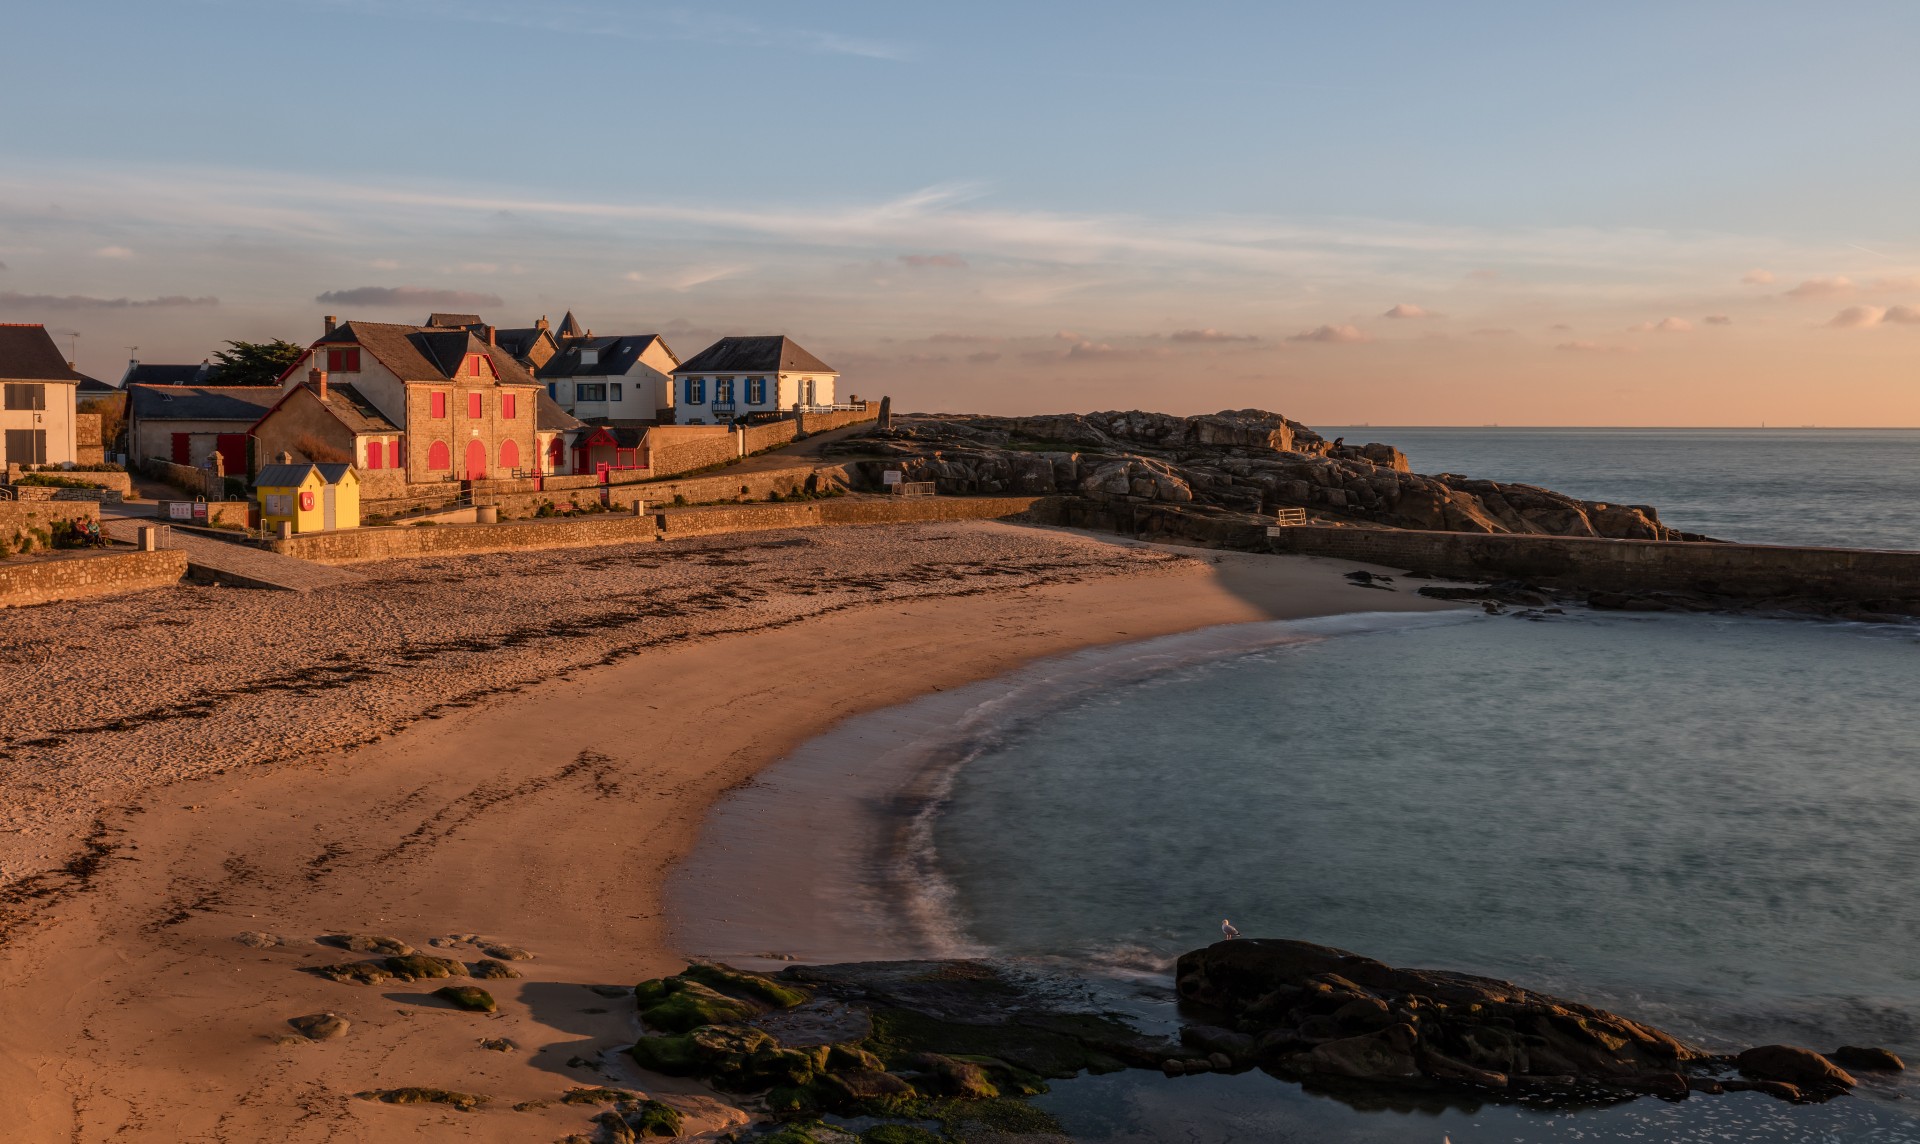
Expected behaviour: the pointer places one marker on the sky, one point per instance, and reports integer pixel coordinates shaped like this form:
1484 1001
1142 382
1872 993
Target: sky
1386 213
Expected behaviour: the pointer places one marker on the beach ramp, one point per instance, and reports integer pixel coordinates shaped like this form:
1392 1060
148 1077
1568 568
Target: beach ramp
243 566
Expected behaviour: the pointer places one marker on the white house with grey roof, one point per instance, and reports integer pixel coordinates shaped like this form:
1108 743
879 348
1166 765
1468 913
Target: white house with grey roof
739 376
617 379
37 389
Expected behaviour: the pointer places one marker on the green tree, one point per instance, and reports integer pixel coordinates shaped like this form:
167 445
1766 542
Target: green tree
256 363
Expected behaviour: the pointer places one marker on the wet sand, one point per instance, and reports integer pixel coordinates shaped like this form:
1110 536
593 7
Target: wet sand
532 787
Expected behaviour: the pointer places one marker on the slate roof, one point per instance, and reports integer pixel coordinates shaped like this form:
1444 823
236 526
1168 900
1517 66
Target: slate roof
617 355
454 321
27 353
426 353
754 355
518 342
355 411
202 402
290 475
624 436
144 373
94 387
569 327
547 414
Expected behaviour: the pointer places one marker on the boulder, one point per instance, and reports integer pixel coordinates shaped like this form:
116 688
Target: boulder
1866 1059
472 998
321 1026
1804 1069
368 943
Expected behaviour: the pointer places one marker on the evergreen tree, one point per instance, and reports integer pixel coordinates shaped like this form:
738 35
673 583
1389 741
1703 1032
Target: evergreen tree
255 363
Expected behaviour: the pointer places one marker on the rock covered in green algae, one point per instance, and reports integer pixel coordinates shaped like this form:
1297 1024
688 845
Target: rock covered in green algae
464 1101
472 998
368 943
420 967
689 1004
487 969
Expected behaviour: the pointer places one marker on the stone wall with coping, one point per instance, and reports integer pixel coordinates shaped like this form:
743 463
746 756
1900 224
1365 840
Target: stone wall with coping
682 453
769 435
18 516
821 422
413 541
1752 571
69 577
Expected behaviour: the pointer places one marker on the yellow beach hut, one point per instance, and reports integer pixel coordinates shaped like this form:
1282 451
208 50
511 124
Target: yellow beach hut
312 497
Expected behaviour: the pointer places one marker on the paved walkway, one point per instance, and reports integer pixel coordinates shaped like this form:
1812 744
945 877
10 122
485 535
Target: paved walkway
238 564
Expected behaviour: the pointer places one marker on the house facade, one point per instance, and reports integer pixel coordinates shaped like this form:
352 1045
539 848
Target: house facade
624 379
739 376
327 424
187 424
37 388
461 406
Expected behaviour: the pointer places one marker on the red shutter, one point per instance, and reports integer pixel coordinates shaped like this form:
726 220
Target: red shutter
373 454
474 402
509 403
182 449
393 453
439 405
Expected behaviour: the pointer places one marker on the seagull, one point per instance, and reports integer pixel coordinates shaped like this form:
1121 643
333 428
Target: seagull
1226 927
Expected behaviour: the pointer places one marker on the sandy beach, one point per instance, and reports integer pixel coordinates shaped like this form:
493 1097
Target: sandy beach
463 754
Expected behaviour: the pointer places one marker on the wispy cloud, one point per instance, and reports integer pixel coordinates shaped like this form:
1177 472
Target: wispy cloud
1333 334
1814 289
1904 285
1866 317
414 296
1665 326
12 300
1409 310
1757 277
1717 320
1209 335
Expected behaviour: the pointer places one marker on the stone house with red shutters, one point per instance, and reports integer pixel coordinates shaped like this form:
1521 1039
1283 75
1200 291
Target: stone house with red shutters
419 404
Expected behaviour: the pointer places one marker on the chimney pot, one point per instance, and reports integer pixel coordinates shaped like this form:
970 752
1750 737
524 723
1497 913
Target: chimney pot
541 324
331 322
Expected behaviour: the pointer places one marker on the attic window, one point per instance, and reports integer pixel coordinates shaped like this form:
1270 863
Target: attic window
344 360
589 357
479 366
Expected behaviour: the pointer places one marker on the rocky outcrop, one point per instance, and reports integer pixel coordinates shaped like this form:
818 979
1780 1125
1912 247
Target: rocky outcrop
1244 461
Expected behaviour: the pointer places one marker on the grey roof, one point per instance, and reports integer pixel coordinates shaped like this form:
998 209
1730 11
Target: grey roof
355 411
27 353
143 373
93 386
570 327
617 354
451 321
425 353
202 402
288 475
519 341
548 415
754 355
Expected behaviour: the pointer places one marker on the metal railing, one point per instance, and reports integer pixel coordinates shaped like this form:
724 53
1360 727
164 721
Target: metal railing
1286 517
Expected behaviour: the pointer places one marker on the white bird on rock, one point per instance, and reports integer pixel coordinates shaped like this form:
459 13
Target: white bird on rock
1226 927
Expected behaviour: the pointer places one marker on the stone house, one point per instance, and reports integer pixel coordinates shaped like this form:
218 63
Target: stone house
329 424
37 407
736 377
463 407
187 424
555 429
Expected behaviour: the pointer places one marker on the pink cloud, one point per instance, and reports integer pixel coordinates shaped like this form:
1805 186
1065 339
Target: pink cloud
1757 277
1857 318
1905 315
1834 286
1409 310
1336 334
1907 285
1500 332
1067 336
1665 326
1209 335
934 261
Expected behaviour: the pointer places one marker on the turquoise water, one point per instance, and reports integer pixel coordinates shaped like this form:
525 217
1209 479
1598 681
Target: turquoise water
1856 488
1706 823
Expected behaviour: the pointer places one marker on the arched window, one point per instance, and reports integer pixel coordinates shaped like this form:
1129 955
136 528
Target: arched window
509 455
439 459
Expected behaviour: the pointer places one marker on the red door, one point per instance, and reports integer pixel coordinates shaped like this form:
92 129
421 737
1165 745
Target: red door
233 452
182 449
476 460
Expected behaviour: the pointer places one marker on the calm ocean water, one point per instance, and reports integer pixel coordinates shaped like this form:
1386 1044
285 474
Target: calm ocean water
1706 823
1856 488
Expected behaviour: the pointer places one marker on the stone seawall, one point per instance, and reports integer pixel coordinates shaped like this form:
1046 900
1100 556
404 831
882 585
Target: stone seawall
73 577
402 542
17 516
1748 571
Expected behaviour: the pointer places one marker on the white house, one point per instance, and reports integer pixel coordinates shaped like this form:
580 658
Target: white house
37 389
625 379
734 377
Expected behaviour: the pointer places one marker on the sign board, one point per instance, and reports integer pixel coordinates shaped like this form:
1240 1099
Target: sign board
892 477
179 510
199 510
306 500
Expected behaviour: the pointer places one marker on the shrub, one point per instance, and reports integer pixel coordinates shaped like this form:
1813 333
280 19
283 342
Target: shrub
48 481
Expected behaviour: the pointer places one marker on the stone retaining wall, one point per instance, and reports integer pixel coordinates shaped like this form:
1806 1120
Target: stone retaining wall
72 577
186 478
768 435
400 542
1749 571
821 422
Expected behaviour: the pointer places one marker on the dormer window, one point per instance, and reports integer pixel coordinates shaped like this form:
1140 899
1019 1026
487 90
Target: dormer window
346 359
479 366
589 357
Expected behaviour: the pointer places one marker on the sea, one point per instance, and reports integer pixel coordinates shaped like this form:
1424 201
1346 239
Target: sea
1708 823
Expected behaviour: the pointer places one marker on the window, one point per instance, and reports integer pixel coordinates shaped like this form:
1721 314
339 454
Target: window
438 405
26 446
756 391
590 390
439 457
476 406
279 504
374 455
696 391
509 405
25 395
723 391
344 360
479 366
613 392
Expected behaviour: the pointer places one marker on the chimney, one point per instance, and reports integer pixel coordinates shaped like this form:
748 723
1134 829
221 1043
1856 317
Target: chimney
492 338
541 324
331 322
286 458
317 381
